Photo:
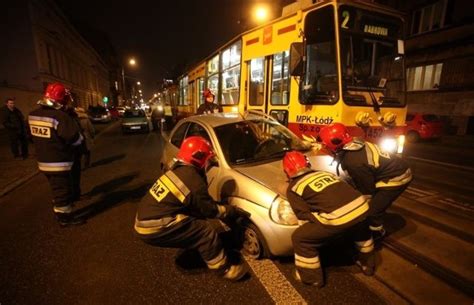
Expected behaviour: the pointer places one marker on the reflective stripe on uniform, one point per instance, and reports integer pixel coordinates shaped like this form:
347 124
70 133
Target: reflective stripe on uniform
152 226
175 185
299 187
65 209
343 215
43 121
54 166
79 141
220 211
307 262
217 262
365 246
372 155
396 181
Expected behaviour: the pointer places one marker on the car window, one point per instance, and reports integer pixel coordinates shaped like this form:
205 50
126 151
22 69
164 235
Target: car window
134 114
410 117
196 129
256 141
430 118
178 135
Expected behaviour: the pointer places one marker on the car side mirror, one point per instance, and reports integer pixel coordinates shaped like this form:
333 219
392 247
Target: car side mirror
297 59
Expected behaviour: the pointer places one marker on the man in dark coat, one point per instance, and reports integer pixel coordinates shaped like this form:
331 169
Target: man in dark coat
14 122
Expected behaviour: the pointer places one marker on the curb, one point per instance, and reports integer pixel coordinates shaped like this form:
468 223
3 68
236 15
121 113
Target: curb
17 183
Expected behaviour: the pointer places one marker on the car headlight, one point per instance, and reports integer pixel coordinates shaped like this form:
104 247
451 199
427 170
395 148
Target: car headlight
282 213
104 116
388 145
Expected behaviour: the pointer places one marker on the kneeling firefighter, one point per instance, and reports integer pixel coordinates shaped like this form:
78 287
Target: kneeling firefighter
173 213
325 207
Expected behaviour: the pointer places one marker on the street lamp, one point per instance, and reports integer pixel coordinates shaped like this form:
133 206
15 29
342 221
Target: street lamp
261 13
138 83
132 62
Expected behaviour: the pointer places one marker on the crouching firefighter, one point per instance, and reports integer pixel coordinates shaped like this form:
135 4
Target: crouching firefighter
374 172
55 135
325 207
173 213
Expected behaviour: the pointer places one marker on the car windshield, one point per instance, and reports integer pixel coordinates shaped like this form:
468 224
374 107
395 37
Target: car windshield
134 114
256 140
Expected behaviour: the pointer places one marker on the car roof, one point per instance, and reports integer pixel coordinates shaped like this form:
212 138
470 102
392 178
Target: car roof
216 119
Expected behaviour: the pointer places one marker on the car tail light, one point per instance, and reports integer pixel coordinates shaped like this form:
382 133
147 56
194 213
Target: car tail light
282 213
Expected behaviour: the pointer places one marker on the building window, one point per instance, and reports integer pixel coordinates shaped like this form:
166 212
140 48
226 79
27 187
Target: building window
429 18
424 77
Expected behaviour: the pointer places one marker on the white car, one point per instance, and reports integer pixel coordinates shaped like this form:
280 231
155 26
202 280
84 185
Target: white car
249 172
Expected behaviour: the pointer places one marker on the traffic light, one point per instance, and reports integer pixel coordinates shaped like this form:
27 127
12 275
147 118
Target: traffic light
105 100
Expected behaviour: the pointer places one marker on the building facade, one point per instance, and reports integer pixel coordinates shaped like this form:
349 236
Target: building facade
42 46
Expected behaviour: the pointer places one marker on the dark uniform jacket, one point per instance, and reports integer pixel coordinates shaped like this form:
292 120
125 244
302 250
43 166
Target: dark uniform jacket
208 108
13 121
321 196
370 168
55 134
176 195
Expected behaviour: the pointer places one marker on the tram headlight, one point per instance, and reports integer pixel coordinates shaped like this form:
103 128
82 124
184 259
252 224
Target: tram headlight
389 145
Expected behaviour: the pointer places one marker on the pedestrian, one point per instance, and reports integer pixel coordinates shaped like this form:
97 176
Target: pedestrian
325 207
209 106
55 135
88 132
376 173
174 213
14 122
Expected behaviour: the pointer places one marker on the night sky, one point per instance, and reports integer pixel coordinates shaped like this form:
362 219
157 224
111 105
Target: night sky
165 35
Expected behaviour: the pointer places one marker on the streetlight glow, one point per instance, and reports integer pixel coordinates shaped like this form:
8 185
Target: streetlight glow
261 13
132 62
138 83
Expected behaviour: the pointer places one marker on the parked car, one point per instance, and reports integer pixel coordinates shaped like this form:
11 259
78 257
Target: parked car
135 120
423 126
99 115
121 110
248 172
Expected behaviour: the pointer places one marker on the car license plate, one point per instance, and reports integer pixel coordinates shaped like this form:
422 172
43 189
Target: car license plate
135 127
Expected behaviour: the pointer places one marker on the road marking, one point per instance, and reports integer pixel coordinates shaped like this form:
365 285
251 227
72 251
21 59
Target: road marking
414 193
469 168
414 189
276 284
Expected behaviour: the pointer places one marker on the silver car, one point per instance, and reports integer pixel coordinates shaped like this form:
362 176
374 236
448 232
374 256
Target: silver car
249 172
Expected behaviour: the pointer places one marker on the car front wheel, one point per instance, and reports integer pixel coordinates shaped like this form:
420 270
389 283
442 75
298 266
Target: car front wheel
254 245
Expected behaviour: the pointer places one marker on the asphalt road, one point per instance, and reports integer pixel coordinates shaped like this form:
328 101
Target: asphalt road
103 262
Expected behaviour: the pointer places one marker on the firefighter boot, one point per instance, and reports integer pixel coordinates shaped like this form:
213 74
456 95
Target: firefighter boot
235 272
68 219
314 277
378 232
366 262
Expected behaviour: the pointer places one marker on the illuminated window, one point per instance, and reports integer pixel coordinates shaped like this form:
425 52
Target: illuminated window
424 77
183 91
257 76
231 74
280 79
213 75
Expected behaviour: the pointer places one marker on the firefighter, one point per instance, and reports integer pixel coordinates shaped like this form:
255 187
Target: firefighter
209 106
55 135
173 213
325 207
378 174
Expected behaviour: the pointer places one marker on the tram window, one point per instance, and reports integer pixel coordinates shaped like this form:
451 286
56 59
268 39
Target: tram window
200 91
280 79
319 84
231 74
183 91
257 78
281 116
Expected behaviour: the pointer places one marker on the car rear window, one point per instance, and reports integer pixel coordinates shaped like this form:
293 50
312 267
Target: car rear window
431 118
134 114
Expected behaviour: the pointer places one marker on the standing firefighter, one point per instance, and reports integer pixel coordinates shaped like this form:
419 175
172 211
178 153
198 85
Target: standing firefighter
174 212
55 135
374 172
209 105
325 207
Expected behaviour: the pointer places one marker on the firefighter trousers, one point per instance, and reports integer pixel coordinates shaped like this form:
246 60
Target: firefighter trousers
308 237
195 234
61 185
381 201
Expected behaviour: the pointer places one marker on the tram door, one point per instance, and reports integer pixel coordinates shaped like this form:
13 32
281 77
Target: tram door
268 84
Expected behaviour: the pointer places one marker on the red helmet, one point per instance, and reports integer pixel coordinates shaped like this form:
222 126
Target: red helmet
207 93
56 93
196 151
335 136
295 164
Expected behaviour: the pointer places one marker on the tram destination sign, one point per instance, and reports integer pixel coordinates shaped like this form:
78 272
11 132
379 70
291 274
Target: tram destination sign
365 22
